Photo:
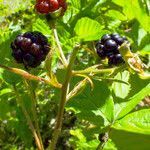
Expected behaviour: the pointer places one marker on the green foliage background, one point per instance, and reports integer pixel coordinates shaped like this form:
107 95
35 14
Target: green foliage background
108 104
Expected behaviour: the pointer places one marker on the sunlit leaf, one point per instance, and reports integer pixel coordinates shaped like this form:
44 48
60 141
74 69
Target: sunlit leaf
133 9
138 122
88 29
121 90
121 109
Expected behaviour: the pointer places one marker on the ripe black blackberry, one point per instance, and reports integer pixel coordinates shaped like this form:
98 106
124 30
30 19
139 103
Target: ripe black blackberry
30 48
107 47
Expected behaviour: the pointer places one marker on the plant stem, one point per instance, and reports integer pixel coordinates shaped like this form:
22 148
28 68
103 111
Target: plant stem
101 146
111 71
104 139
77 89
64 91
102 143
33 109
29 76
97 71
63 58
31 126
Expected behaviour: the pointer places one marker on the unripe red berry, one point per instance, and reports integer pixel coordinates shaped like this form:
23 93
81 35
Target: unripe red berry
51 7
63 4
42 7
54 5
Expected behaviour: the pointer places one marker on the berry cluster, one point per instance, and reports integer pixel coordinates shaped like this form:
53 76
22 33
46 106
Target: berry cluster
108 47
50 6
30 48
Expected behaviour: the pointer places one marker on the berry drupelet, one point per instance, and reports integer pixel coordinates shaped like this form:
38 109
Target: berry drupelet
107 47
30 48
50 6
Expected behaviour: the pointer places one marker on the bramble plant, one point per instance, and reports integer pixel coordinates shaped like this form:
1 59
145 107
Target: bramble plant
74 75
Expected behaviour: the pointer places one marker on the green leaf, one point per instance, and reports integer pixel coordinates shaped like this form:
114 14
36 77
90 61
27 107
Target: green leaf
121 90
5 109
41 26
109 105
129 141
138 122
142 38
137 84
137 12
79 139
88 30
5 48
116 14
10 77
93 105
121 109
5 91
76 4
78 133
145 45
82 143
22 128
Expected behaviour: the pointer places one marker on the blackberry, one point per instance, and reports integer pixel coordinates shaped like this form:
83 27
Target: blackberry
28 59
101 54
50 6
110 45
107 47
119 40
105 37
115 59
30 48
18 55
